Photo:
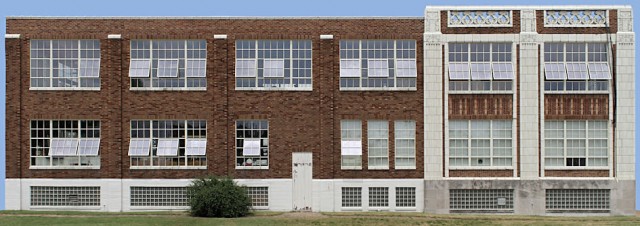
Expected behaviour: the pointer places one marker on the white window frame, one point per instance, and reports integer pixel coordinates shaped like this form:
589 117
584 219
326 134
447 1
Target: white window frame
349 69
150 157
570 70
586 140
80 69
492 139
371 139
493 71
351 142
399 139
173 73
168 68
275 72
196 146
73 151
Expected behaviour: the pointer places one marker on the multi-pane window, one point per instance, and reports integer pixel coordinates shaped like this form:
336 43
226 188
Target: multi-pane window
159 196
259 196
378 64
405 197
76 196
480 66
576 143
351 144
480 143
576 67
378 197
65 143
578 200
378 145
481 200
405 144
64 64
168 64
168 143
273 64
252 144
351 197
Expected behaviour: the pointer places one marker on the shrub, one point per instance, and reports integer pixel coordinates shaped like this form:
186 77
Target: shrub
218 197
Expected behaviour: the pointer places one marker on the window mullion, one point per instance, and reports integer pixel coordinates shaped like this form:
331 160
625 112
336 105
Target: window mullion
50 63
151 143
256 42
290 63
469 143
491 142
186 56
360 63
78 73
151 67
395 63
50 139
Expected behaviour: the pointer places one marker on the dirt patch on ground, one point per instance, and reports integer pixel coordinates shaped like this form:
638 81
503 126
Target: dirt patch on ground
305 215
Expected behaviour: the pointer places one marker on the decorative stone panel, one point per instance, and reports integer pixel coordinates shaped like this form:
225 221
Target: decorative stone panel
576 18
480 18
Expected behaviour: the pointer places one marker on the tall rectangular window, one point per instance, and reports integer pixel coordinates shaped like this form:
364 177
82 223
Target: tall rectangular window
273 65
576 143
252 144
65 143
570 67
378 65
405 143
65 64
161 64
480 67
480 143
351 144
378 145
168 143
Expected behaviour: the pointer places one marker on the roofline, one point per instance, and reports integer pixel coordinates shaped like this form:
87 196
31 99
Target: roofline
523 7
215 17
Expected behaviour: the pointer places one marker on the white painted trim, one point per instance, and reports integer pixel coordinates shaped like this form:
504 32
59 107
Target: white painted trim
114 36
220 36
483 167
274 88
168 88
378 88
518 7
64 88
12 36
326 37
63 167
166 167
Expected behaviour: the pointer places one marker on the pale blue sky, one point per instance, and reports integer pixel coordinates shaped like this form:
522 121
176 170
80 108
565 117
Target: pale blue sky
237 8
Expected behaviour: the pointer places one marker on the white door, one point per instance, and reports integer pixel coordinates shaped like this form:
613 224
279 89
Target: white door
302 183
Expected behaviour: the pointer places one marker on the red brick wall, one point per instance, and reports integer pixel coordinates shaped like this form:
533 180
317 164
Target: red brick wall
300 121
480 106
576 173
480 173
576 106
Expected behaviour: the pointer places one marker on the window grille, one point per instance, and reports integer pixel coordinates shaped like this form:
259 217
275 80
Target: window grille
65 196
481 200
252 144
259 196
405 197
351 197
577 200
159 196
65 63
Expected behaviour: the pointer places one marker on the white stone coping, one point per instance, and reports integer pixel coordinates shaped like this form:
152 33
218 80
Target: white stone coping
220 36
528 7
12 36
114 36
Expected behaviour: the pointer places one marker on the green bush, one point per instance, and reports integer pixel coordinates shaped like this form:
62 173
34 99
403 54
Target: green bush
218 197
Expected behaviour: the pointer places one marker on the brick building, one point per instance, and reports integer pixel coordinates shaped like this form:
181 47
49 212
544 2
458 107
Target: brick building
526 110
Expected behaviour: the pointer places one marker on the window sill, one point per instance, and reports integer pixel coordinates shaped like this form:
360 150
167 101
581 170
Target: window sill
159 207
167 167
63 167
577 92
64 88
378 168
168 89
351 209
351 168
260 207
405 208
274 89
252 167
480 92
576 168
405 168
378 89
65 207
480 167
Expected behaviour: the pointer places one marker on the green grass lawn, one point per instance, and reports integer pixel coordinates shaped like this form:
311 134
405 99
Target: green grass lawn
43 218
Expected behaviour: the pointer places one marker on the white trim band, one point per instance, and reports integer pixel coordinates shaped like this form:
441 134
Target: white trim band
326 37
221 36
12 36
114 36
